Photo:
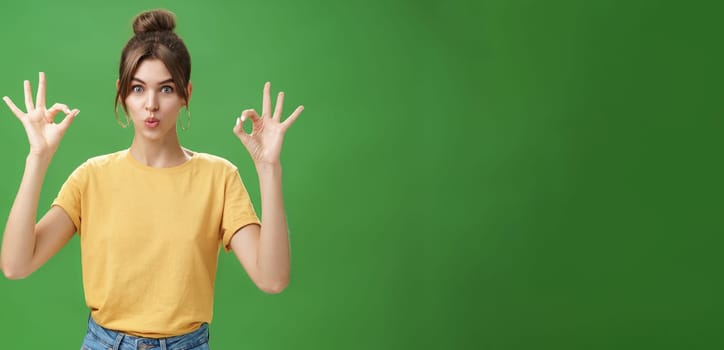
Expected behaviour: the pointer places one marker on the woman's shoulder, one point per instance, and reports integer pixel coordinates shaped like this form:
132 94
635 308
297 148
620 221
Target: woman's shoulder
209 160
110 157
105 160
98 164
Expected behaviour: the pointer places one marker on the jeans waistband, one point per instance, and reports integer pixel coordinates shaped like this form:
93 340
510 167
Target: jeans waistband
115 338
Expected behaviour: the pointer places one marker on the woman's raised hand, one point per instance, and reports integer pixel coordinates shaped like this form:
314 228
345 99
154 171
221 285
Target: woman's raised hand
265 141
44 134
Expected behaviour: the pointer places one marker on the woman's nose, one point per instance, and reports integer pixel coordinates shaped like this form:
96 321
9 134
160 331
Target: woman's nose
151 103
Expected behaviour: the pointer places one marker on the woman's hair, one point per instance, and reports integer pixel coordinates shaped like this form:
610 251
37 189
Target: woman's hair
154 39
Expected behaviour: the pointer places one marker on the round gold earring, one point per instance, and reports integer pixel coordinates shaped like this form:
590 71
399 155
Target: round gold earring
188 120
118 119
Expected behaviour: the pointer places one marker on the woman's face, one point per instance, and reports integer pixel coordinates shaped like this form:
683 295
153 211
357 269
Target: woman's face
153 102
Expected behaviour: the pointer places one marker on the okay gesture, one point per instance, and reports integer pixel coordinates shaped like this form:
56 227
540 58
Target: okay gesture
264 143
43 133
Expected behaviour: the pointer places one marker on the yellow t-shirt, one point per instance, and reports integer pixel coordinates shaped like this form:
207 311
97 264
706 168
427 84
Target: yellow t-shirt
150 238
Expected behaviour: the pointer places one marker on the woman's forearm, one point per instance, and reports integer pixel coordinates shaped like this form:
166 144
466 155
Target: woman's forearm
19 238
273 255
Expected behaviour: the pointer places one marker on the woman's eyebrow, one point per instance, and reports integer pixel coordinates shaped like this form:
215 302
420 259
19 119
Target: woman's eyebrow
169 80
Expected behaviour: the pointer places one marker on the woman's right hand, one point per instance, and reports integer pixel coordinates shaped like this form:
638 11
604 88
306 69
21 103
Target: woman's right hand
44 134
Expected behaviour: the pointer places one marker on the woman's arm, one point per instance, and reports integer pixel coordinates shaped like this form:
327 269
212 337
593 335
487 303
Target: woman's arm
26 246
264 252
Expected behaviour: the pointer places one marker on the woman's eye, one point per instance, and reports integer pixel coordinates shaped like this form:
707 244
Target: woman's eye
167 89
137 88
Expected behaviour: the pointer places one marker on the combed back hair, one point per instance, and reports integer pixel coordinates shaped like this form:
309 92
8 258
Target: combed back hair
154 38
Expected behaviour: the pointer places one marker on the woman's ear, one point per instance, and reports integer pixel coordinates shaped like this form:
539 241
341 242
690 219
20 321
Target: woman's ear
189 89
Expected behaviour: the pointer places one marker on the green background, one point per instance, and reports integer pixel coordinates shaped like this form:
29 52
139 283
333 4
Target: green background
466 174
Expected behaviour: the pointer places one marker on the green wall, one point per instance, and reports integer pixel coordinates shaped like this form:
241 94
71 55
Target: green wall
466 174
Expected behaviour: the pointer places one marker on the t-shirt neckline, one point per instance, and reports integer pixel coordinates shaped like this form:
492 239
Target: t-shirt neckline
137 164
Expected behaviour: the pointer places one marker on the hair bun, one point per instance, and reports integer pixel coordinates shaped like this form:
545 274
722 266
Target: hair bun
154 21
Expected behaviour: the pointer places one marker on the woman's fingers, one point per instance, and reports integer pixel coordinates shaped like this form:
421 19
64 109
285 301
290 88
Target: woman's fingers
28 96
278 108
239 130
266 101
40 99
239 127
287 123
50 114
58 107
69 117
249 114
260 122
18 113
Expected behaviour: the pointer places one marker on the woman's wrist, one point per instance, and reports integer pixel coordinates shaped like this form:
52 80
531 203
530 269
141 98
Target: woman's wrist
266 167
35 160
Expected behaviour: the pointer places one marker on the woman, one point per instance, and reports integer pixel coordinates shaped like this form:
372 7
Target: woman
151 218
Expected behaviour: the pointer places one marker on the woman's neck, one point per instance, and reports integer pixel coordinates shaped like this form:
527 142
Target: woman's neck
159 154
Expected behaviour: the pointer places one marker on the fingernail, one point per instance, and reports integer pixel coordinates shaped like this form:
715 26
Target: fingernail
243 117
237 121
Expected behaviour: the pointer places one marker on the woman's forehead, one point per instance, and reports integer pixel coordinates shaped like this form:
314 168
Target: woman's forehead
152 71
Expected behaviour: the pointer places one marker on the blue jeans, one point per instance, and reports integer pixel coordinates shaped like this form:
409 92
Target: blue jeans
99 338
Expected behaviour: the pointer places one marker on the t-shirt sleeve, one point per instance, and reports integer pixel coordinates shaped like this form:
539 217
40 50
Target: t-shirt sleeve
238 209
69 197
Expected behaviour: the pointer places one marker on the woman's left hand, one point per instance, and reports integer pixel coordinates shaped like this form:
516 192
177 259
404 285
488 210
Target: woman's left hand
265 141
